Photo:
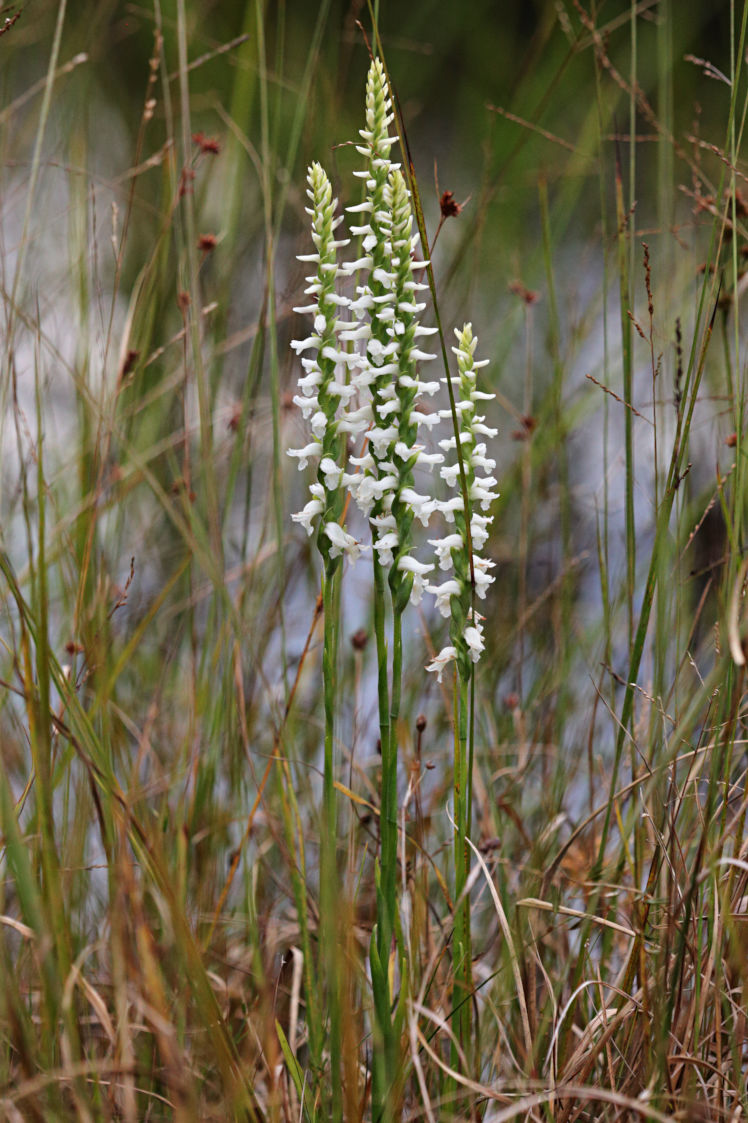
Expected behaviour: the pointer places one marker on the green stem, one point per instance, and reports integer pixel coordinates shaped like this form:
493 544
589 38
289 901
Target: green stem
389 776
328 871
461 950
383 1057
384 919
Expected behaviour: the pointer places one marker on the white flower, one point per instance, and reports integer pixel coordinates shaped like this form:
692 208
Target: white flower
384 522
332 473
427 419
450 474
427 459
319 424
474 638
314 448
482 565
351 335
481 492
355 421
479 525
450 443
380 438
313 508
444 593
419 571
449 506
363 263
480 461
340 390
335 355
310 382
482 581
300 345
306 404
444 547
341 541
375 352
429 388
422 506
385 545
446 655
386 408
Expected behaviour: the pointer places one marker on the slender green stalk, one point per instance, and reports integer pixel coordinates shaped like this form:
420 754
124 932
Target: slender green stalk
461 943
388 809
329 892
383 1059
329 675
624 239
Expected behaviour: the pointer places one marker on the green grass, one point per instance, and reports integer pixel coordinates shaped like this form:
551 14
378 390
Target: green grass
176 927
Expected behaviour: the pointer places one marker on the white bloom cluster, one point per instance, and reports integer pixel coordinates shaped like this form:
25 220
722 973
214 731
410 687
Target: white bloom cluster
324 390
386 310
373 358
453 596
361 380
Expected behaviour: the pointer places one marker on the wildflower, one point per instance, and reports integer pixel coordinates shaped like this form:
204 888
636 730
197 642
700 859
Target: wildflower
474 639
454 595
314 448
418 571
322 390
314 507
445 592
340 541
386 310
440 661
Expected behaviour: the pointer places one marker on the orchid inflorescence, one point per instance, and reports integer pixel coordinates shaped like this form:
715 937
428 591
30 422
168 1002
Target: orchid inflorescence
361 381
454 596
323 388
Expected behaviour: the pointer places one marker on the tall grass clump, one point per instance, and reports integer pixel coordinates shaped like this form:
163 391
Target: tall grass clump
350 792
